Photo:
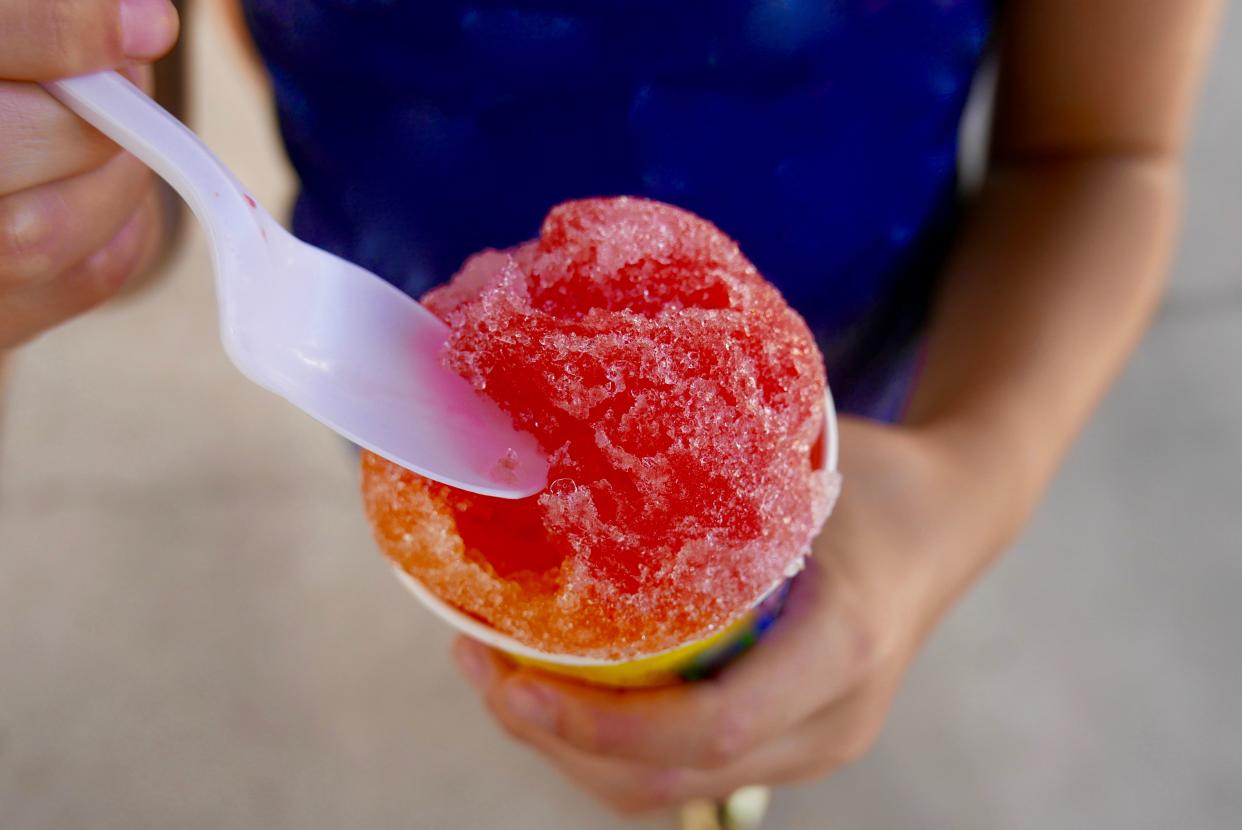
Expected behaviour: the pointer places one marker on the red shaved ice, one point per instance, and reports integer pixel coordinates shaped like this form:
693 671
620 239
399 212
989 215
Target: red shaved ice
679 400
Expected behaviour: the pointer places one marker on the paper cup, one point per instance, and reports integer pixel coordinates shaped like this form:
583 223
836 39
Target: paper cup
688 661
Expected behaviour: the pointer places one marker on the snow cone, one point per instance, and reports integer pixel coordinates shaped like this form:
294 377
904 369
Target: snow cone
691 442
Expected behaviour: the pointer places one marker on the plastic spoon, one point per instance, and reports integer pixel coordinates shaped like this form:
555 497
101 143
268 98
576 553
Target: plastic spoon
333 339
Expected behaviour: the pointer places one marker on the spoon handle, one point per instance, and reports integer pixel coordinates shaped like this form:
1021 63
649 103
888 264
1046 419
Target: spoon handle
128 116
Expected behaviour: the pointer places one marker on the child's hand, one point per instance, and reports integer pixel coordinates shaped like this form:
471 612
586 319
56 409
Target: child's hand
77 215
812 695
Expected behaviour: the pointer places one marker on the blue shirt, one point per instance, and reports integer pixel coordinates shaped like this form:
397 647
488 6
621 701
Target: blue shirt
822 136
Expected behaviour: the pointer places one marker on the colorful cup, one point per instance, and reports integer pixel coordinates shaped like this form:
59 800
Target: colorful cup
688 661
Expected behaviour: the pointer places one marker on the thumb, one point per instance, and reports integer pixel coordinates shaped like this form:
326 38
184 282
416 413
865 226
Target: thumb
43 40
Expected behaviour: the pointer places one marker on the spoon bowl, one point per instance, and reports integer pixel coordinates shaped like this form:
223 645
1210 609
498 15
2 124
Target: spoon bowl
333 339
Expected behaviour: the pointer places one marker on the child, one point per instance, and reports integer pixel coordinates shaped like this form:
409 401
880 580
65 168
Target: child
969 344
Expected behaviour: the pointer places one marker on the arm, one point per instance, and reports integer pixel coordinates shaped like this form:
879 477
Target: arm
1063 258
1051 282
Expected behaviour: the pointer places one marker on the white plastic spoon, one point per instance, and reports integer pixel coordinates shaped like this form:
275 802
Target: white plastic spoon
333 339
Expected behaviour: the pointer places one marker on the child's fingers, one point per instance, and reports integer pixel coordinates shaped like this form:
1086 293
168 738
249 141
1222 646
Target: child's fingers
44 142
41 40
810 657
47 229
27 311
482 667
626 787
629 787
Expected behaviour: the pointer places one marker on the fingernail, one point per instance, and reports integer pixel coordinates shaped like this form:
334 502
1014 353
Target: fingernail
148 28
533 704
475 665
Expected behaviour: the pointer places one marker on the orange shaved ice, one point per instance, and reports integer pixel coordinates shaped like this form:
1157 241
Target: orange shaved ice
680 401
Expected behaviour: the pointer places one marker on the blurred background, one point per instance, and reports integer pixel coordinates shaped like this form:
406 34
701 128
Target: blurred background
195 630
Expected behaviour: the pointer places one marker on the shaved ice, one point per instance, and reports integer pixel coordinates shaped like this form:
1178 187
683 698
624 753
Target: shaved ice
680 401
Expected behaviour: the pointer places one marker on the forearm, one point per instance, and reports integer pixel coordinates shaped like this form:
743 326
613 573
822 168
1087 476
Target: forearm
1054 279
